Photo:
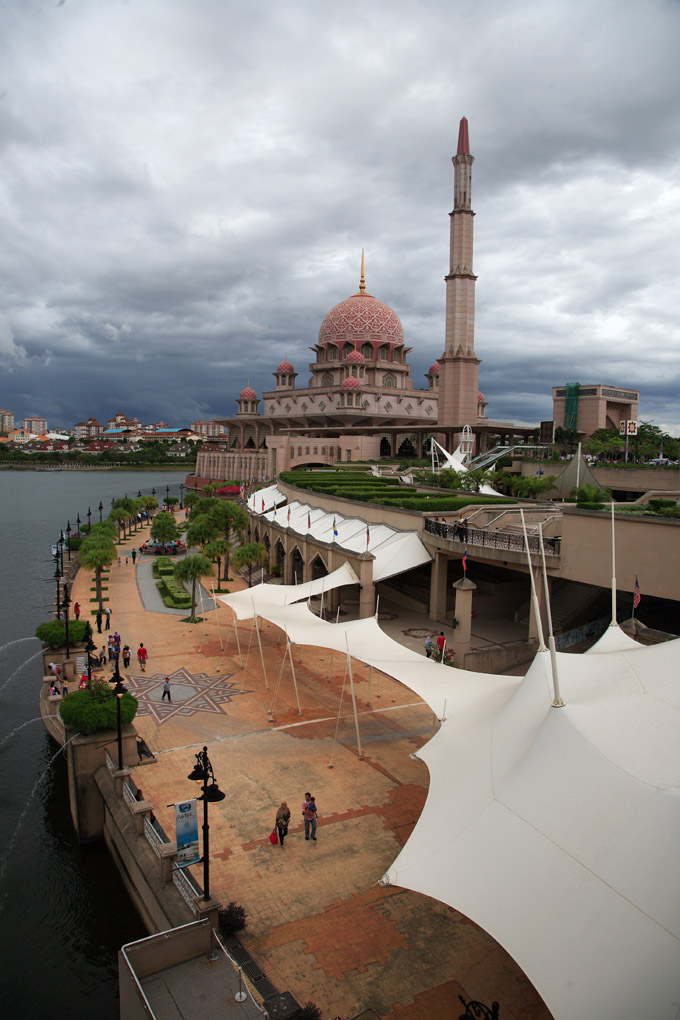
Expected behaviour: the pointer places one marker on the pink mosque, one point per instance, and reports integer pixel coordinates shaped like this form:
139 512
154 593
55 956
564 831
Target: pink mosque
360 402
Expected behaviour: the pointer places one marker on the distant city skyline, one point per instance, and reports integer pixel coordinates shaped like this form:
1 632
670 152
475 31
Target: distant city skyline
183 199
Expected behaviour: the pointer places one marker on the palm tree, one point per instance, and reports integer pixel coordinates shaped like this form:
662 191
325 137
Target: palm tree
590 494
164 528
250 555
219 550
96 553
201 531
120 516
193 568
472 481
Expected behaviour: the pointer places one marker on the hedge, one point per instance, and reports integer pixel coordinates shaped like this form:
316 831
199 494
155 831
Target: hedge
53 633
441 502
174 594
96 709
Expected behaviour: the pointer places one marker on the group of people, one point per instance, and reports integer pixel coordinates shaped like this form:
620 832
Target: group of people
309 815
103 617
459 530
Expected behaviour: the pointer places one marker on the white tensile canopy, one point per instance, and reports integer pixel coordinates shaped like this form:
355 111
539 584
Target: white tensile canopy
455 462
555 829
394 551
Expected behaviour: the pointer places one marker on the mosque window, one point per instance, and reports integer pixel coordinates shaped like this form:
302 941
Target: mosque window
382 354
327 379
361 371
367 351
321 354
332 353
390 381
347 350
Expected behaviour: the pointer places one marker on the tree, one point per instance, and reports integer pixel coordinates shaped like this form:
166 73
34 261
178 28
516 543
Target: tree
193 568
250 555
201 531
590 494
217 551
473 480
524 485
121 517
211 488
164 528
96 553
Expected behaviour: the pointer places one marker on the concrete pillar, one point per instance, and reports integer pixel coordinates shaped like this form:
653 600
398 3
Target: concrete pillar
463 614
438 591
367 593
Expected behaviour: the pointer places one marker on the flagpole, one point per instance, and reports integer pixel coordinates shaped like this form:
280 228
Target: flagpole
534 596
613 623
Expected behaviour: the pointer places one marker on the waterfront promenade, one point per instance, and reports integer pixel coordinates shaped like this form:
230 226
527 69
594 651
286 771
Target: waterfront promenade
319 924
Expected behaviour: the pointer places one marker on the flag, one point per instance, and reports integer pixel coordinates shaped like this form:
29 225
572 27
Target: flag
368 535
540 470
335 530
309 520
263 506
636 594
289 515
465 561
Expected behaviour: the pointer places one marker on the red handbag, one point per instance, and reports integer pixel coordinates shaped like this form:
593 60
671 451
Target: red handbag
273 839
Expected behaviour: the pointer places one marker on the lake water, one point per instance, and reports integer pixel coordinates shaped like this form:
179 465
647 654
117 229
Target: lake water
64 912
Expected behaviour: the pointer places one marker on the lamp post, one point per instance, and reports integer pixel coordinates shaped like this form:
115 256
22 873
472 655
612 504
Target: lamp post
68 540
139 494
478 1009
65 604
100 508
202 772
119 690
78 524
60 543
89 519
57 578
181 495
90 646
153 493
167 495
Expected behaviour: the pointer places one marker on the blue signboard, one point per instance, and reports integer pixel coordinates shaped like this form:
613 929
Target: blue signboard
186 833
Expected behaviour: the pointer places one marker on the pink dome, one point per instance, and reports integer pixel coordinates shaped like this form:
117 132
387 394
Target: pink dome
248 394
355 358
359 319
434 369
350 383
285 368
480 398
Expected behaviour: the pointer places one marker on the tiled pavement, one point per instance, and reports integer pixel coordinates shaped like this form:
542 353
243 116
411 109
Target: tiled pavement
319 924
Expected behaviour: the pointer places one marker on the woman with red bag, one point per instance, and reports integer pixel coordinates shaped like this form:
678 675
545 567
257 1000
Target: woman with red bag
282 819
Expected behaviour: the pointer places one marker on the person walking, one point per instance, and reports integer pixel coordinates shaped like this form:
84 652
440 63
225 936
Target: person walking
126 656
441 642
108 618
98 618
310 819
102 657
134 556
428 645
76 610
166 690
282 819
142 656
305 805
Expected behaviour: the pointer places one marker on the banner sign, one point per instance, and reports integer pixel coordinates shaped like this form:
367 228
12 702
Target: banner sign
186 833
628 428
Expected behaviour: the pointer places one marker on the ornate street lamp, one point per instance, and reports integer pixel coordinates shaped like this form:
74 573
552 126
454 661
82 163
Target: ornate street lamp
66 602
78 524
90 647
153 493
68 540
100 508
89 519
119 690
181 495
57 578
478 1009
60 543
167 494
139 494
201 774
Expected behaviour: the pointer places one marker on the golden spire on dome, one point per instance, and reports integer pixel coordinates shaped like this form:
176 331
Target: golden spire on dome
362 281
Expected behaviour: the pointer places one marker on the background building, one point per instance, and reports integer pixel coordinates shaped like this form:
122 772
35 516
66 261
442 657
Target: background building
592 407
35 425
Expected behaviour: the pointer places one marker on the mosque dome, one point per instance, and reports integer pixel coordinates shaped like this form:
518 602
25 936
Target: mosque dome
285 368
350 383
355 358
480 398
361 319
434 369
248 394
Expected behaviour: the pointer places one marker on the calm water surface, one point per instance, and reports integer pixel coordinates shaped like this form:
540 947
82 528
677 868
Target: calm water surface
64 912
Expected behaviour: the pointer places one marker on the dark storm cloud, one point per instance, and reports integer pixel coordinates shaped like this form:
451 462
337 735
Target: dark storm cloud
184 197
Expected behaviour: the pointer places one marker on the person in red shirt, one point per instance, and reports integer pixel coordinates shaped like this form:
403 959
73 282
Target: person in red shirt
142 655
441 641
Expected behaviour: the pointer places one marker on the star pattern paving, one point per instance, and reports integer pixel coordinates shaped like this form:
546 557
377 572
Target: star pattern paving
190 692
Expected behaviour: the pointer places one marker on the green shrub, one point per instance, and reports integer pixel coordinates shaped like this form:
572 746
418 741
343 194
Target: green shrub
592 506
662 504
95 709
231 919
53 633
174 594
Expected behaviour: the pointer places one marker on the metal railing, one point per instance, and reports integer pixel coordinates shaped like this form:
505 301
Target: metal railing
110 763
187 886
153 837
243 980
494 539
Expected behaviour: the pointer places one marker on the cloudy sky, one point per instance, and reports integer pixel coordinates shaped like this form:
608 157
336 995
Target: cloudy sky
186 187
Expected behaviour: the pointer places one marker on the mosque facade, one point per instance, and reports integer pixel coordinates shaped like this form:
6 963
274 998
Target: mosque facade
360 402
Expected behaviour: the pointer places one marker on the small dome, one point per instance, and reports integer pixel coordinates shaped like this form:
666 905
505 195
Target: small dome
480 398
355 358
285 368
434 369
248 394
350 383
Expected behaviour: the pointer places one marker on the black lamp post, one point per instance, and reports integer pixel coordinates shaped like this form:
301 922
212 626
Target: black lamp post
66 602
89 519
68 540
139 494
181 495
153 493
100 508
478 1009
90 647
203 771
119 690
60 543
167 494
57 578
78 524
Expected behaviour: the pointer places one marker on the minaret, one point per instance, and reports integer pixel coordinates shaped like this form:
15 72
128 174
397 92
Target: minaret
459 366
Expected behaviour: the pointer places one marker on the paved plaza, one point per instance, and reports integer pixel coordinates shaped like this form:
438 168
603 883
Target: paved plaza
319 923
